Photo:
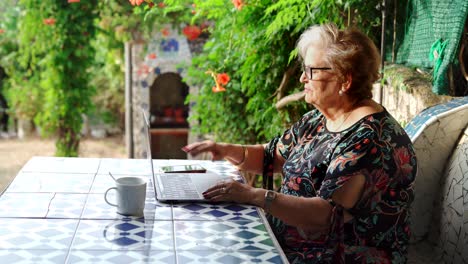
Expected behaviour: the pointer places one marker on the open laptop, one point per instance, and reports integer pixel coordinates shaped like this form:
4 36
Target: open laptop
174 187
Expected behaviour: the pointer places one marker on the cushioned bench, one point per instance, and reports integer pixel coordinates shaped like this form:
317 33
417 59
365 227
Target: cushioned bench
439 214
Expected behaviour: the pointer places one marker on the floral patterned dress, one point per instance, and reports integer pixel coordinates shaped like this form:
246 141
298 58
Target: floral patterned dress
318 162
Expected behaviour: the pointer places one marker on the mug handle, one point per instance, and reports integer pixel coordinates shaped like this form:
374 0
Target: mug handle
105 196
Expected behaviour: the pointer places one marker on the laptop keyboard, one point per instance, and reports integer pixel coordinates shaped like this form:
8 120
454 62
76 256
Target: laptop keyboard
178 186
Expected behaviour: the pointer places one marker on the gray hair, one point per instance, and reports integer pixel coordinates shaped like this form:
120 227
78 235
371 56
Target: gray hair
348 52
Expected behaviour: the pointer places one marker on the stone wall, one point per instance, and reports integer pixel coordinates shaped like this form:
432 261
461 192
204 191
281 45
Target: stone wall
162 53
407 92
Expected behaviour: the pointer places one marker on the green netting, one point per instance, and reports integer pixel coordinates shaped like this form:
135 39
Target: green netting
432 38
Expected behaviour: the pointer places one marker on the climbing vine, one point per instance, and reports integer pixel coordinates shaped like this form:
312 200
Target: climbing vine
55 51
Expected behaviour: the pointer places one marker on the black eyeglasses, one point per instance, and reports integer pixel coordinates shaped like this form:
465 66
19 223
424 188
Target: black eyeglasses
310 70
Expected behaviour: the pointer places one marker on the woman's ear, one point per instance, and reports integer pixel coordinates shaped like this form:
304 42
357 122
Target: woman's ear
348 80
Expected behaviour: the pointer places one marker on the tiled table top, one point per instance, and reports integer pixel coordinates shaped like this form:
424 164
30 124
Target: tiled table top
54 212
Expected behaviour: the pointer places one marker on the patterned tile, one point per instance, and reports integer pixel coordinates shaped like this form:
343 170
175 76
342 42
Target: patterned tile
125 167
225 257
25 204
67 205
434 142
124 234
50 205
97 208
213 235
62 165
33 256
449 225
90 230
123 257
102 182
416 125
218 212
51 182
36 233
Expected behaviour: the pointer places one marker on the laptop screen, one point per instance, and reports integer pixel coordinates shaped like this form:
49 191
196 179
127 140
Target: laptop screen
148 146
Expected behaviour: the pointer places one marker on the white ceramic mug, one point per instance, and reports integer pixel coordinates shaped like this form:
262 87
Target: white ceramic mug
131 195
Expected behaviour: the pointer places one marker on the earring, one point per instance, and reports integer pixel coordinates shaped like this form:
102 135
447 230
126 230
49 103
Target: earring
340 92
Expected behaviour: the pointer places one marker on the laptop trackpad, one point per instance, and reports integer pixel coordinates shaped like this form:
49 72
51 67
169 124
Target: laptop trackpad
203 181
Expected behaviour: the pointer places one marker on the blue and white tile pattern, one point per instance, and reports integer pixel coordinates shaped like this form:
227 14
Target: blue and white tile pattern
54 212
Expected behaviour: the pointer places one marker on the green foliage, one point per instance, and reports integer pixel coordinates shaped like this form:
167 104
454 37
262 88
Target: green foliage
117 22
52 69
56 59
256 47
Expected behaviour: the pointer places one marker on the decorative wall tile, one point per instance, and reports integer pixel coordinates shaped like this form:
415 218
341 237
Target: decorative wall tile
124 234
434 142
449 226
54 234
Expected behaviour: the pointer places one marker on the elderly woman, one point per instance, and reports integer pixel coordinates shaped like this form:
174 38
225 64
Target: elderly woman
347 166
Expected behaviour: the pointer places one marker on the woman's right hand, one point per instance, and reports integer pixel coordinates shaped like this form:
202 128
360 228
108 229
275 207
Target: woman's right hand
216 150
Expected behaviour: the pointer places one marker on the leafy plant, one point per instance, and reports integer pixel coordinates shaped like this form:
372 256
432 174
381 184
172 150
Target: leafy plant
55 50
255 46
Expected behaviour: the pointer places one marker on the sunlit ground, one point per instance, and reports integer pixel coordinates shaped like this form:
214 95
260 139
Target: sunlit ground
14 153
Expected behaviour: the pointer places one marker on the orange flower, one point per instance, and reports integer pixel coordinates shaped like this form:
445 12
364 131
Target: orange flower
152 56
223 78
161 5
218 88
73 1
49 21
2 31
191 32
238 4
136 2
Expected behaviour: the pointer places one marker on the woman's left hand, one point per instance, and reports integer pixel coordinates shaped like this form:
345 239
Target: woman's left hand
230 191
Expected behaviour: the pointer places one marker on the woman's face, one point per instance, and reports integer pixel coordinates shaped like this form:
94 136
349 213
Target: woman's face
321 85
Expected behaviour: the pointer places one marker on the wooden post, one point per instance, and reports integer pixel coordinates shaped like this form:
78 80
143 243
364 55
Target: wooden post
382 52
128 101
